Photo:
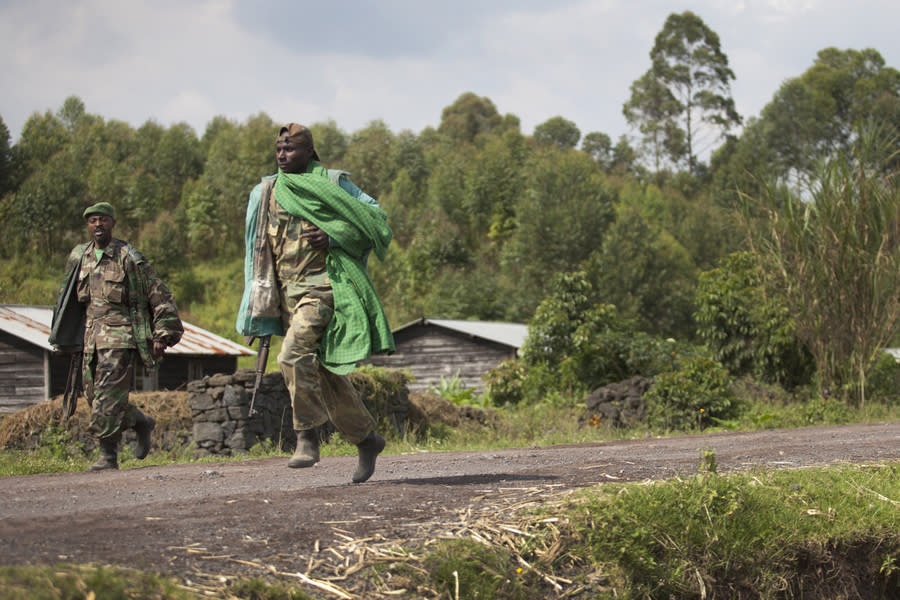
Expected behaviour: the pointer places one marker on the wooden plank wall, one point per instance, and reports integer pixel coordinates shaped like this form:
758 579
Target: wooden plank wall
21 373
430 352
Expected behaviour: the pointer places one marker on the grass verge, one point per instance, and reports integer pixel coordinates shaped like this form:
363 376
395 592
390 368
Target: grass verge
812 533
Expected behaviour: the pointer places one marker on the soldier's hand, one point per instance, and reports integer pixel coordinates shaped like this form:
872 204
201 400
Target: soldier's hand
159 348
317 238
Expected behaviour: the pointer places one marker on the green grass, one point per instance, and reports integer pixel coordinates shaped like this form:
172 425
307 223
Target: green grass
753 532
88 582
71 582
826 533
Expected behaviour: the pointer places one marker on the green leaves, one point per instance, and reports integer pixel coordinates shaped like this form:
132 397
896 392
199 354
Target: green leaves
683 103
834 249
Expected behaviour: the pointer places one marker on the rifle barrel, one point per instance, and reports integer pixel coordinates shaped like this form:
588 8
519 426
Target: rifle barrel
261 359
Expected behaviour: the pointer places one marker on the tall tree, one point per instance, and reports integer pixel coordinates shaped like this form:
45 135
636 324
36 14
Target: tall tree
654 110
685 97
817 114
809 119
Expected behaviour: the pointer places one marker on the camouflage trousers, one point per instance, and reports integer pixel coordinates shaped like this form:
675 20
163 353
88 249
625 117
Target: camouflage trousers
317 394
107 374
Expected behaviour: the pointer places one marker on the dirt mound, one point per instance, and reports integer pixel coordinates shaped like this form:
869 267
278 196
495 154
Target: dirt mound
28 429
427 409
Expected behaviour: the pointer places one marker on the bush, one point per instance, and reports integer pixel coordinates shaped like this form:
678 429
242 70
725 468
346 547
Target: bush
883 381
693 397
505 383
747 330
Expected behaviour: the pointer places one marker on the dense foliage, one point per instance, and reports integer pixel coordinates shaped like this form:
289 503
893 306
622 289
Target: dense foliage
606 250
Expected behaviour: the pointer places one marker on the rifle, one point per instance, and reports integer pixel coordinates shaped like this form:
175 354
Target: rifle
261 359
73 386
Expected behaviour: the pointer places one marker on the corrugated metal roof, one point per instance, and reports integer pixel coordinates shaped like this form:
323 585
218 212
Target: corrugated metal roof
32 323
511 334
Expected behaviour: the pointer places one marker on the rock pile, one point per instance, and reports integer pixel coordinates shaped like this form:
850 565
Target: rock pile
617 405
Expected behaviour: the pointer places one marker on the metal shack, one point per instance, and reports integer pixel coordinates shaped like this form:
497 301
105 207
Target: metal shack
31 371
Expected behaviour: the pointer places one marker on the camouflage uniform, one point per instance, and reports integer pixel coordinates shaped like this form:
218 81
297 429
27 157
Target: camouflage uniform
105 286
307 304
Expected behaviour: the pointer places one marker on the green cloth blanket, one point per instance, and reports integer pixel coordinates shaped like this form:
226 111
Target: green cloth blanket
359 327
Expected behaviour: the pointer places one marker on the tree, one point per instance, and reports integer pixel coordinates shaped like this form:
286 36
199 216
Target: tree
330 141
48 204
72 112
558 131
469 116
683 103
643 271
654 110
818 114
177 158
834 250
368 158
42 137
5 159
562 213
215 204
599 147
808 120
624 156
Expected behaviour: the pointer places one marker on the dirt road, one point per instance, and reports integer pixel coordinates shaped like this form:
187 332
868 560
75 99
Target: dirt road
237 517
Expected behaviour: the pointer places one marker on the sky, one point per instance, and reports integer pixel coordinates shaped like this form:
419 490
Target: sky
398 61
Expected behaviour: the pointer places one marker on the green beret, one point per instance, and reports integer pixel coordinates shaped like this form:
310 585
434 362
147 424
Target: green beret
101 208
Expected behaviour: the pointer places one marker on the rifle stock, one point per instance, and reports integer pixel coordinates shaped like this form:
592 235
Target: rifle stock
261 359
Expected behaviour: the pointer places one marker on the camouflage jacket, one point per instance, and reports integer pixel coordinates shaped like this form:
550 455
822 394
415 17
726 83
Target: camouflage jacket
125 304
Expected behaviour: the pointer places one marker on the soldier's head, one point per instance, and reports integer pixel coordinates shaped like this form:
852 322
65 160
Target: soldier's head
100 218
294 148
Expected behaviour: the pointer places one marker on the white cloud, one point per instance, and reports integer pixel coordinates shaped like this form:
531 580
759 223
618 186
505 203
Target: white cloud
176 61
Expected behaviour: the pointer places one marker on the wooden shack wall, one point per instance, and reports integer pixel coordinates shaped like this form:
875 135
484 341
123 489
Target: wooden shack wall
21 373
430 352
24 383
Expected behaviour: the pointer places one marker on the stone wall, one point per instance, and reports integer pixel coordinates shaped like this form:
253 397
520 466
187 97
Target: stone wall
220 408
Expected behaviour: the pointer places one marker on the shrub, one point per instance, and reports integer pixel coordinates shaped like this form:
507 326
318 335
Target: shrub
883 383
692 397
505 383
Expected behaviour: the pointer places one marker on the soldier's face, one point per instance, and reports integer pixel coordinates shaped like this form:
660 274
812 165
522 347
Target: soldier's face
291 156
100 228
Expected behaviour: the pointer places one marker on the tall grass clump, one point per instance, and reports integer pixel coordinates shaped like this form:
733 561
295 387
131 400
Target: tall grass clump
752 535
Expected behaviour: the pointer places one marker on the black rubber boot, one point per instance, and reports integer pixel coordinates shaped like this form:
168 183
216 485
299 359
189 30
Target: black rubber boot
307 452
142 427
369 449
109 455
